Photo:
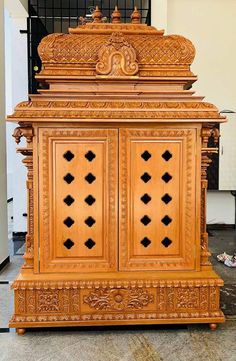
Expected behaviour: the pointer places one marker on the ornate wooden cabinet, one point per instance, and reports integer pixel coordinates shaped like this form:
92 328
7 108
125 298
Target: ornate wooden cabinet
117 153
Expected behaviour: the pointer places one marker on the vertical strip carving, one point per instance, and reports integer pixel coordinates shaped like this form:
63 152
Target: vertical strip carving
27 132
208 131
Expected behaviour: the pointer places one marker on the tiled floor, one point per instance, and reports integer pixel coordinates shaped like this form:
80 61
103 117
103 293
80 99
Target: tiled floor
160 343
191 344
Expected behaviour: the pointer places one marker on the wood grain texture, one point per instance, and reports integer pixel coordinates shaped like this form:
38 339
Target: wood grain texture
117 153
53 168
179 185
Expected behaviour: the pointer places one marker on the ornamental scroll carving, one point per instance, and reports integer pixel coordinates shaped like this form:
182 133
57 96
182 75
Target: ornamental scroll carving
117 58
117 299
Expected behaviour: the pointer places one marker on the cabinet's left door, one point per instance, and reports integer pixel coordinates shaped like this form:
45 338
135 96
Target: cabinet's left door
77 194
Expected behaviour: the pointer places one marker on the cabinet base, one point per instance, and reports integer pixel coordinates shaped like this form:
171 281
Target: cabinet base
41 301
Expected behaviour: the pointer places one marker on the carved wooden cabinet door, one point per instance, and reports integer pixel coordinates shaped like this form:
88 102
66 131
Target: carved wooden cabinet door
159 205
78 199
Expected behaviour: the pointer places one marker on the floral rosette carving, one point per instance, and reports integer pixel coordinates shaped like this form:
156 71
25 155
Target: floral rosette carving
118 300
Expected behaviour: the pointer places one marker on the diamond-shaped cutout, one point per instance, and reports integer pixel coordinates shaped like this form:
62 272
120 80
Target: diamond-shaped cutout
69 200
69 222
90 156
89 243
166 242
145 177
90 178
69 178
166 220
90 200
145 220
166 177
68 155
146 155
90 221
146 198
68 243
145 242
166 198
167 155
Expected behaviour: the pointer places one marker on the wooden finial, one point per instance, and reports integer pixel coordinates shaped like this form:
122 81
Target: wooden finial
135 16
97 15
116 15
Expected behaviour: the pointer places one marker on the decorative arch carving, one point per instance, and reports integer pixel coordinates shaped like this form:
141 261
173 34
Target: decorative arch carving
117 57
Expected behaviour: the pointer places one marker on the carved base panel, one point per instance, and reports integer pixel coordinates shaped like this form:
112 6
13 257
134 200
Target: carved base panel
75 303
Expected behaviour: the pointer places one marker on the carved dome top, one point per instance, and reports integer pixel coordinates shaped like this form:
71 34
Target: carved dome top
116 73
116 50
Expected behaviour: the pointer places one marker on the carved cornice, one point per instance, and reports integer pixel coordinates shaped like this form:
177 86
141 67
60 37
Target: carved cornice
112 114
70 109
71 104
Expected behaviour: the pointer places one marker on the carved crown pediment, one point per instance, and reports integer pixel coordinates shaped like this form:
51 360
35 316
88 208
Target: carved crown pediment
117 57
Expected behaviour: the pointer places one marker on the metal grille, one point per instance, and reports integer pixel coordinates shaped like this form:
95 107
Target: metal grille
56 16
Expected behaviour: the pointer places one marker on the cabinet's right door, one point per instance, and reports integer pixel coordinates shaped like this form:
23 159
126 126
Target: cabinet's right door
159 199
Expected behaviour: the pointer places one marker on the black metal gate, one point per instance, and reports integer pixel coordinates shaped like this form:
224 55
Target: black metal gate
49 16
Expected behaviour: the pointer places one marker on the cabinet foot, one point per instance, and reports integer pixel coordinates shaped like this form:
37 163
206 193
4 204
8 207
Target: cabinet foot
20 331
213 326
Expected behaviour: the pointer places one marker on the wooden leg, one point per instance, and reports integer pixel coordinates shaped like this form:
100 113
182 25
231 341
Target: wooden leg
213 326
20 331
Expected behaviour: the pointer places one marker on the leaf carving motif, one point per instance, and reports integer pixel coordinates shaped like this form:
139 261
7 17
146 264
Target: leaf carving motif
117 299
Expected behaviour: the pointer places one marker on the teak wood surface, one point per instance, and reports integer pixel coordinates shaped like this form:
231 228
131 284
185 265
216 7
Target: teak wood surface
117 153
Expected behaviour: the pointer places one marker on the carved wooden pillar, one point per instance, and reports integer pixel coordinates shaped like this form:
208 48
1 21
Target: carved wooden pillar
27 132
208 130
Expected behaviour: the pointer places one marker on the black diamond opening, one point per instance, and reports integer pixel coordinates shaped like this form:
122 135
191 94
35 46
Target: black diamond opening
167 155
166 242
90 221
146 155
69 222
90 243
69 200
90 156
90 178
166 177
146 198
145 220
166 220
166 198
145 242
145 177
68 243
68 155
69 178
90 200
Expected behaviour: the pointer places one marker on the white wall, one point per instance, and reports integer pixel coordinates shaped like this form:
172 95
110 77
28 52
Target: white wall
210 25
3 185
17 91
220 207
